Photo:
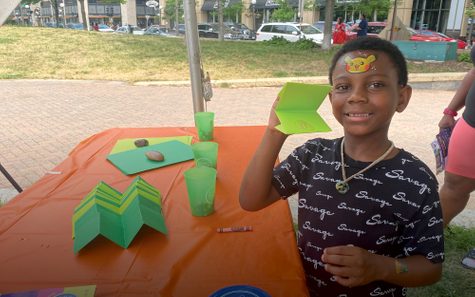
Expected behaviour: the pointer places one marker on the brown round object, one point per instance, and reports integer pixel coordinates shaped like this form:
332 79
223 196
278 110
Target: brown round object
154 156
141 142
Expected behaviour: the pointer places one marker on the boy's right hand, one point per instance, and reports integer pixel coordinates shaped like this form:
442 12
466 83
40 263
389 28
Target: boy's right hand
273 119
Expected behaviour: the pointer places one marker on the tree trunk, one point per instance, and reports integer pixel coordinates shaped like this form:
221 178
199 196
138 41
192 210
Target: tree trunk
54 4
220 20
83 14
177 17
327 31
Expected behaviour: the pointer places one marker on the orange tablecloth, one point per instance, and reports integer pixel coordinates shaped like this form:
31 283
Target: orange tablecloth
36 248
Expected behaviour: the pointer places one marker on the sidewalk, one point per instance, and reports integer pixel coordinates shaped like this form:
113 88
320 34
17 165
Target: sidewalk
44 119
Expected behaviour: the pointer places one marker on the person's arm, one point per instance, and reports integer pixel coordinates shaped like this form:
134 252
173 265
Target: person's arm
458 101
256 190
353 266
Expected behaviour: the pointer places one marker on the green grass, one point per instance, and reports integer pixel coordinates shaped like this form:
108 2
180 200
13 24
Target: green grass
456 281
49 53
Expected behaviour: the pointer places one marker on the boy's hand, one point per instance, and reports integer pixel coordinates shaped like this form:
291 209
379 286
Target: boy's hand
352 266
273 119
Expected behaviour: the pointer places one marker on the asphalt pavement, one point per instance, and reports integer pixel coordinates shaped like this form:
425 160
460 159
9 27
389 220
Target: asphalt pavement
42 120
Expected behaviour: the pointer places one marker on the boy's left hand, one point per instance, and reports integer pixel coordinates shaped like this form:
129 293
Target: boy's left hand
352 266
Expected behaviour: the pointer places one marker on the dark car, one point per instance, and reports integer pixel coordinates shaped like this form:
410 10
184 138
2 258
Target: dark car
180 28
212 31
157 30
246 33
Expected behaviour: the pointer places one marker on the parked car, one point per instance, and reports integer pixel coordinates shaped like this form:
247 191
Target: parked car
158 31
54 25
74 26
246 33
374 28
105 28
126 29
212 31
320 25
289 31
180 28
432 36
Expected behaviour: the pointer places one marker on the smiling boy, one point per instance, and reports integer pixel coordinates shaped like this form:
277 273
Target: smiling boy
369 217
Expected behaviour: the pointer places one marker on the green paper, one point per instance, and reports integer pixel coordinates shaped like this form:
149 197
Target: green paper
134 161
297 108
127 144
97 214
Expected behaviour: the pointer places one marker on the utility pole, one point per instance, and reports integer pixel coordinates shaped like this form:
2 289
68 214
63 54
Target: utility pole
194 57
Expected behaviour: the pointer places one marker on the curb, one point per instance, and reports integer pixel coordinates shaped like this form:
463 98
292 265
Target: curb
441 80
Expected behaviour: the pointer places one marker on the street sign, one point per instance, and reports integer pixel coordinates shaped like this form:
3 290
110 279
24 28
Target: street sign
151 3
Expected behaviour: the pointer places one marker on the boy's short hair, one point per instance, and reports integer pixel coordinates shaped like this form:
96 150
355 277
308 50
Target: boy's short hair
374 44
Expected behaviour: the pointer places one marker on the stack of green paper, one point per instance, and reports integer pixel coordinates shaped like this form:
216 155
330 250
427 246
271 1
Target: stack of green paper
297 108
118 217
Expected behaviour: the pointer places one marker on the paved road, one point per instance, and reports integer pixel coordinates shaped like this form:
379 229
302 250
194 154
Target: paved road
43 120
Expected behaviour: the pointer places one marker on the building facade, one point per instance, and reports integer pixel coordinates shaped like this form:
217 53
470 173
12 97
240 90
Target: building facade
445 16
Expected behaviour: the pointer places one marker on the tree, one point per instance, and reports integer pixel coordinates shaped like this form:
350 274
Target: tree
83 14
232 12
371 7
327 30
284 13
173 13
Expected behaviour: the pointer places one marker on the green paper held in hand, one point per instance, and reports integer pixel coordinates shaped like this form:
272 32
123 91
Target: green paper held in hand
204 123
297 108
205 153
201 187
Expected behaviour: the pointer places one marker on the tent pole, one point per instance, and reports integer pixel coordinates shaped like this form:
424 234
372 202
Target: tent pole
194 55
10 179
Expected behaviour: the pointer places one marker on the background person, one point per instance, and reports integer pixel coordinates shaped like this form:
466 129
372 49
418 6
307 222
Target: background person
339 35
459 176
368 217
362 28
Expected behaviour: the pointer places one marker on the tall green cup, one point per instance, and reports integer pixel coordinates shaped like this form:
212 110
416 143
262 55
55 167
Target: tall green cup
205 153
204 123
201 187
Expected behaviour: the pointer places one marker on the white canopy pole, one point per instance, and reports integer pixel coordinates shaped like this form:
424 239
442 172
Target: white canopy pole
6 7
194 55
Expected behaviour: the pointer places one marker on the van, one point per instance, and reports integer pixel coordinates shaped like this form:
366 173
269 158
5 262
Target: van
289 31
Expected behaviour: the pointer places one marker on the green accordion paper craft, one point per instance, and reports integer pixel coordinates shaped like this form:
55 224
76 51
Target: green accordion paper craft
118 217
297 108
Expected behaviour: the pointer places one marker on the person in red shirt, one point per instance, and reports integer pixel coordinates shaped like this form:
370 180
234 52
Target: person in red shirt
339 35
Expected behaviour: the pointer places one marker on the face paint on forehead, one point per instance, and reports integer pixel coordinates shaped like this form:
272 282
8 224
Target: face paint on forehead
359 64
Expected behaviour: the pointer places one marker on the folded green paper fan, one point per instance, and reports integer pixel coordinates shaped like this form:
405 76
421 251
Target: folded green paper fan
118 217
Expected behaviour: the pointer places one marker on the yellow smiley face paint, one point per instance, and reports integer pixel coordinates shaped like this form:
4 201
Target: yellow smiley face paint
359 64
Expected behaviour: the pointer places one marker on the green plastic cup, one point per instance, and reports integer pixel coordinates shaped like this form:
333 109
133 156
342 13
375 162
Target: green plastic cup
204 123
205 153
201 187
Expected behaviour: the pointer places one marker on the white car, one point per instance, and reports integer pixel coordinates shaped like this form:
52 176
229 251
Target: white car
126 30
105 28
290 31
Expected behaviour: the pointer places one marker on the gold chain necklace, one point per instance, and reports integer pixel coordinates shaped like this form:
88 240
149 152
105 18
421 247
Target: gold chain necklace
343 186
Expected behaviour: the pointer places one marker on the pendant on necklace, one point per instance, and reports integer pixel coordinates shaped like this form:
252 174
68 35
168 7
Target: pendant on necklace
342 187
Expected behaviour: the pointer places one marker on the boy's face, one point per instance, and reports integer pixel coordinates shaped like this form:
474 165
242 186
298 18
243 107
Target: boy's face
366 93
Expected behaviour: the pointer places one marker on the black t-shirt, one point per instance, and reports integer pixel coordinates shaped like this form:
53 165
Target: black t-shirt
392 209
